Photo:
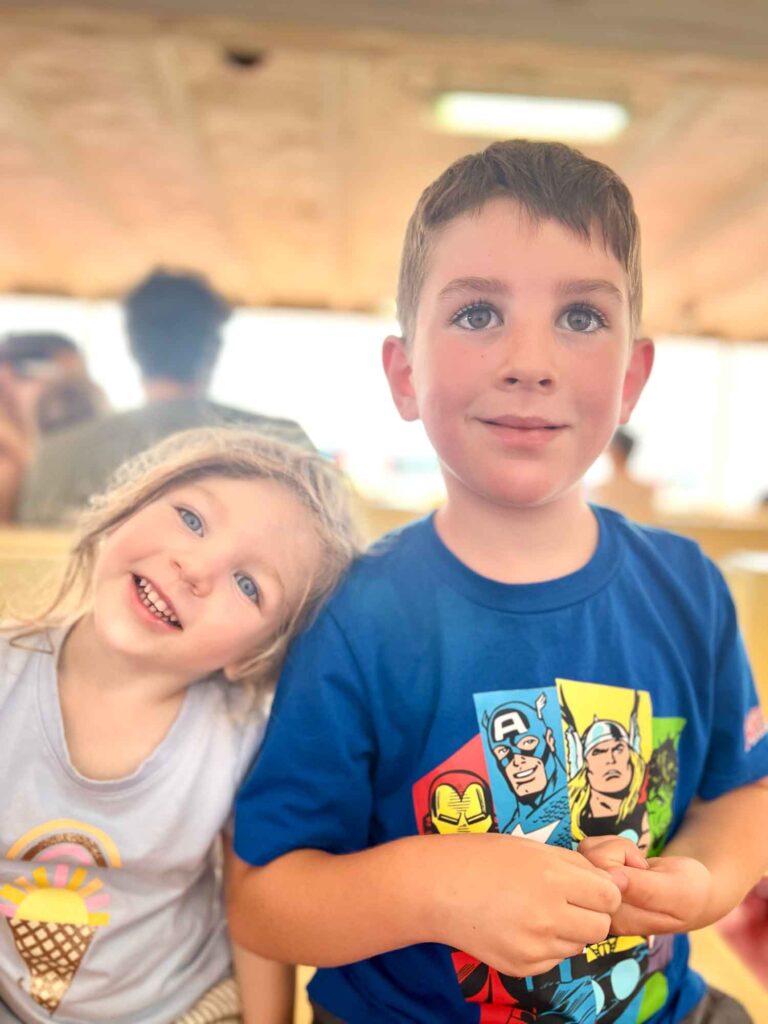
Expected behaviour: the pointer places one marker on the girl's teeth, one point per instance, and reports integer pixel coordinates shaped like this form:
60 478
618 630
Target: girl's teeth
152 600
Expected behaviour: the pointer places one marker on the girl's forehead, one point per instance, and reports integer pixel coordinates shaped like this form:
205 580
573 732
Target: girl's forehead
226 490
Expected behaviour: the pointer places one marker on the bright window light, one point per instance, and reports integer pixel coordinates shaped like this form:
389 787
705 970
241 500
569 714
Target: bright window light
531 117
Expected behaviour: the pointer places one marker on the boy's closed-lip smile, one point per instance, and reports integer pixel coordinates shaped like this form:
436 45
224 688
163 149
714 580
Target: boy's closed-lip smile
524 431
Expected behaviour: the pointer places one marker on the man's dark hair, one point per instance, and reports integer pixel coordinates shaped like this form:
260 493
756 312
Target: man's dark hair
20 346
174 323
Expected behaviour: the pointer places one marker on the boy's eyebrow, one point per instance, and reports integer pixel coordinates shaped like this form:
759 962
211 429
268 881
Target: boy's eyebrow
491 285
590 285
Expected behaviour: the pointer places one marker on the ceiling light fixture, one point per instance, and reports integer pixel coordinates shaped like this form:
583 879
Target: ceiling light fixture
532 117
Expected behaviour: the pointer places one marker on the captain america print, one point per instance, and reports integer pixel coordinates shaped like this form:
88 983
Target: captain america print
524 754
558 763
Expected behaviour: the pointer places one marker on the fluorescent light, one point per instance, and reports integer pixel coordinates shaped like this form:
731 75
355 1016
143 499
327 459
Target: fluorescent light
531 117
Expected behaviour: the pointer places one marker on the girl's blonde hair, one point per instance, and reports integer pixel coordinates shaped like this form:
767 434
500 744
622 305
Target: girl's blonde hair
237 454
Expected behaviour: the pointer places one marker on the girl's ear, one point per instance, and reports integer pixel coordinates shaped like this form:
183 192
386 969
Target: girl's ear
397 367
638 372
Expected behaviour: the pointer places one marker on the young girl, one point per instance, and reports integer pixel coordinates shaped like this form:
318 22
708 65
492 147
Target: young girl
126 727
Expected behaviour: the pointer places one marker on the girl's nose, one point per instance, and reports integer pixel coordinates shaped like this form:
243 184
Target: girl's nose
195 572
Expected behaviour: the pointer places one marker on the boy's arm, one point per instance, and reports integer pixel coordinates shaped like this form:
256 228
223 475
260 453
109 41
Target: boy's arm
729 837
267 988
719 852
721 846
518 905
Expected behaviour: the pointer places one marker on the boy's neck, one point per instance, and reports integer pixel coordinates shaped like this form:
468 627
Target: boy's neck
520 545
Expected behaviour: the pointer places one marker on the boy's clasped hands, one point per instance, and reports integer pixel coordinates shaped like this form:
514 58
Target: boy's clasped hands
562 900
658 895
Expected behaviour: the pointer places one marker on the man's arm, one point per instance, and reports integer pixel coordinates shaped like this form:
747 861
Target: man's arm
518 905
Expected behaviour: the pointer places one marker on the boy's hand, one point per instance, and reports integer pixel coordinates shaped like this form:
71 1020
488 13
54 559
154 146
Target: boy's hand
518 905
670 895
613 854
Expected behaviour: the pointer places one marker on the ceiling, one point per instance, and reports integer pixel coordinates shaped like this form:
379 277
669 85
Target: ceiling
279 147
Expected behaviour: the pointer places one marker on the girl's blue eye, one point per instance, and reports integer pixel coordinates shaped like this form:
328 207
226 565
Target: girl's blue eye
477 317
582 319
191 519
247 586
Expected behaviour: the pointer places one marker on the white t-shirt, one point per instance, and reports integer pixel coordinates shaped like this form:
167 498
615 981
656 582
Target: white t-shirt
109 889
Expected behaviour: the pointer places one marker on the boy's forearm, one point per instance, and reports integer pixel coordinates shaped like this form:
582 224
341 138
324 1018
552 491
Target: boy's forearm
324 909
729 835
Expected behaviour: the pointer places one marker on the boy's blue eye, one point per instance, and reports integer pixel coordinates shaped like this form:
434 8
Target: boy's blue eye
247 586
477 317
191 519
582 319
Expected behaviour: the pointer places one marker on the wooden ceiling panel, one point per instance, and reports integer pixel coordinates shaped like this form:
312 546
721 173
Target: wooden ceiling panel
281 154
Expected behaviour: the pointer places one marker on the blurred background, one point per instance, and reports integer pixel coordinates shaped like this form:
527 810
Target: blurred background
277 147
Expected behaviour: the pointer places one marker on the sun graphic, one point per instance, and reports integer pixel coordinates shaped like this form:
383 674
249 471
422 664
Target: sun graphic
63 895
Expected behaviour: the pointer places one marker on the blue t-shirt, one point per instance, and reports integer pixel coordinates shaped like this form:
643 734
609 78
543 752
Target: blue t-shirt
427 698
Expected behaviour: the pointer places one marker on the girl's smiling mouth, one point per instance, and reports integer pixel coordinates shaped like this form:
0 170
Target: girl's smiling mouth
159 606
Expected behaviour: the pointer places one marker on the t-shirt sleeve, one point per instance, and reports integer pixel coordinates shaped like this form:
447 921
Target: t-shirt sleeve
309 786
738 747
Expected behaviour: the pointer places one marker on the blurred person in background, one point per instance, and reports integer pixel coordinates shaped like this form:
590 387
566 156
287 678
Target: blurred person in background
622 490
44 388
174 323
746 930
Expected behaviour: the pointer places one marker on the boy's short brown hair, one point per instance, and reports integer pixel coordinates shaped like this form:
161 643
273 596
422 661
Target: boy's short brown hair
548 180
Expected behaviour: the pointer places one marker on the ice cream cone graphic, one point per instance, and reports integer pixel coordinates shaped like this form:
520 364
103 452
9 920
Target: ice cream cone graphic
52 953
54 913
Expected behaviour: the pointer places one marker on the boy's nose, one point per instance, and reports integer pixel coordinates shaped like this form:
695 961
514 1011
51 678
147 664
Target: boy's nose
528 360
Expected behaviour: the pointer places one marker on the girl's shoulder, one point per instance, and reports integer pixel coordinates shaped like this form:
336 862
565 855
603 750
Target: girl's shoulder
234 714
19 646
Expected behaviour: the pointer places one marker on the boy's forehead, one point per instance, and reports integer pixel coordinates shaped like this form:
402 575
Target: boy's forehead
501 241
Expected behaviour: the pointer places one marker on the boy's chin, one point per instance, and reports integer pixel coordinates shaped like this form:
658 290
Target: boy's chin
517 495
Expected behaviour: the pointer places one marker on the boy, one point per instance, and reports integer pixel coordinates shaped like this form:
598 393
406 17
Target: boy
515 674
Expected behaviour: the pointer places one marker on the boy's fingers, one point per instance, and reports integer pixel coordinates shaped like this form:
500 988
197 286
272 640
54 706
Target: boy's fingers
582 927
612 851
635 921
597 891
620 877
652 891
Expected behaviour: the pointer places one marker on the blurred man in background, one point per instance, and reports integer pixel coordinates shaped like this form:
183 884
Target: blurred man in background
44 387
174 323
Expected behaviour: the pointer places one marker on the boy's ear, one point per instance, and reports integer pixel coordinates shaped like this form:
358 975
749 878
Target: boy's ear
638 372
397 367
